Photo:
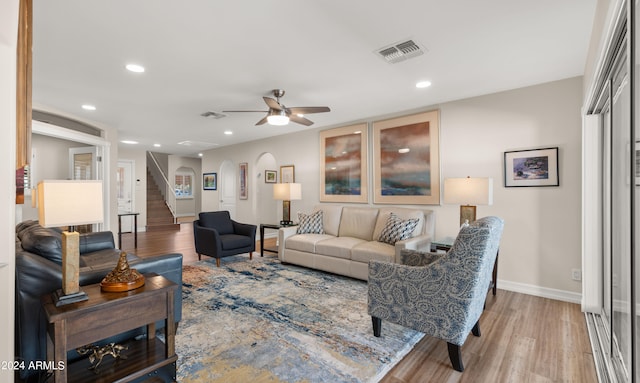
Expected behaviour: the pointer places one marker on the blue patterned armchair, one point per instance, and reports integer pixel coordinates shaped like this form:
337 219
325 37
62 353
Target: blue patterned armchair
441 295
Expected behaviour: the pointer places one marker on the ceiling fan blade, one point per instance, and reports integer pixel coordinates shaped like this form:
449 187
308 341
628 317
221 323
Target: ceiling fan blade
264 119
244 111
273 104
300 120
309 109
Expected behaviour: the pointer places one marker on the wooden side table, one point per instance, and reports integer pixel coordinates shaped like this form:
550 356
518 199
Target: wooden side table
108 314
272 226
135 228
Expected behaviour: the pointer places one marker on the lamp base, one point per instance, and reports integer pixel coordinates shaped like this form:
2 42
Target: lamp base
467 213
60 299
286 223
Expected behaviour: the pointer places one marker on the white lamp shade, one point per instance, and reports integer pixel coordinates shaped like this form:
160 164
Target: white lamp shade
468 191
287 192
70 203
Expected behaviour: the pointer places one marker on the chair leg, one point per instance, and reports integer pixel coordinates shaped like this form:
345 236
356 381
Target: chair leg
476 329
455 356
199 257
377 326
217 262
250 255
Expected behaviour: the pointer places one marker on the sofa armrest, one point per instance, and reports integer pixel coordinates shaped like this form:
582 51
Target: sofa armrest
420 243
283 234
170 267
207 240
245 229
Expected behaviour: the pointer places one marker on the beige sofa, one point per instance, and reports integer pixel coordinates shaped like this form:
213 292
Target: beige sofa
350 239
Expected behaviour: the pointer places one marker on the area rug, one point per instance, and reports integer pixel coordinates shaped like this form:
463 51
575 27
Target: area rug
261 321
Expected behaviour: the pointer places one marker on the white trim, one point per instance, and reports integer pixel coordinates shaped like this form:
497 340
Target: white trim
592 268
543 292
104 150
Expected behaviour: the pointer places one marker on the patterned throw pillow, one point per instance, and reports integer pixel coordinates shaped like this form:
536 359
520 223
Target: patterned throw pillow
310 223
397 229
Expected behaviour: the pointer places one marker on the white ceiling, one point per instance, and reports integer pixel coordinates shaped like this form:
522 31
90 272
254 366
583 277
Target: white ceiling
204 55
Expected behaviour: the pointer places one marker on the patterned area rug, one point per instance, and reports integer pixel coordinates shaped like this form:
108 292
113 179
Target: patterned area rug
261 321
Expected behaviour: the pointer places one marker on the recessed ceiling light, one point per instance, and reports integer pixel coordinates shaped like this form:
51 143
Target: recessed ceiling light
135 68
129 142
228 132
157 145
423 84
88 107
357 132
199 154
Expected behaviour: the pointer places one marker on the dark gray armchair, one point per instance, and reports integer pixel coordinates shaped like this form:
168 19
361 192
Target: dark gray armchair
218 236
441 295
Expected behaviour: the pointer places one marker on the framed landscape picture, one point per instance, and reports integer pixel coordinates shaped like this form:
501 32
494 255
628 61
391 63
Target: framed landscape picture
406 155
343 164
531 167
270 176
244 191
210 181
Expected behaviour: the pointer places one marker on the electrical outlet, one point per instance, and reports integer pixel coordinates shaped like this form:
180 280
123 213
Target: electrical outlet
576 274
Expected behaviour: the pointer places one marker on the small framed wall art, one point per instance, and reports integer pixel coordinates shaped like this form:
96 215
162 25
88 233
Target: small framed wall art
210 181
531 167
287 174
270 176
244 189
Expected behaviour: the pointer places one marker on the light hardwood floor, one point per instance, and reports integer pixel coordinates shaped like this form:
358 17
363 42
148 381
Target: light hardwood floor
524 338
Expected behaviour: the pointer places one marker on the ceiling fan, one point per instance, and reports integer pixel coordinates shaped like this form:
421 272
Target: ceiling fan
278 114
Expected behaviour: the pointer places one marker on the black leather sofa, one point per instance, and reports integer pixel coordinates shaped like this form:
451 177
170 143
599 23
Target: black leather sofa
38 272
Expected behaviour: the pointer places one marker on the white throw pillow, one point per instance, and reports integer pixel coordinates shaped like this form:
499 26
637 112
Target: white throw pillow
310 223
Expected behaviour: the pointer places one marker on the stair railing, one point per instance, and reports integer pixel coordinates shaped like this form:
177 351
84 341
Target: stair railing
166 188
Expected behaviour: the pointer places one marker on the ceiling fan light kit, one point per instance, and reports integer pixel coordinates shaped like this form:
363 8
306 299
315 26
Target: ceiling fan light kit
278 114
277 117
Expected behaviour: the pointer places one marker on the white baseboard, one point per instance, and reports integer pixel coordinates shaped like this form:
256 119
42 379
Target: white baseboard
543 292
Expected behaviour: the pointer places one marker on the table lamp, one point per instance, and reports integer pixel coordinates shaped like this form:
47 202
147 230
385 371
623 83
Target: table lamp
286 193
70 203
468 192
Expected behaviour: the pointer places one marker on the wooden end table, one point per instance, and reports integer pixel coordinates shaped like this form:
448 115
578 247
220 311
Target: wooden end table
108 314
272 226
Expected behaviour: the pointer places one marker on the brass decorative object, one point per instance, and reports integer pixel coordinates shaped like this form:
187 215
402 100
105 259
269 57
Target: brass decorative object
122 278
98 353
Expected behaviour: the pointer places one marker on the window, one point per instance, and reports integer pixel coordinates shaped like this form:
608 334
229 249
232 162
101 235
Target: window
184 184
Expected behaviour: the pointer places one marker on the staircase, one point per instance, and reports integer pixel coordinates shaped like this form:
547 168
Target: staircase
159 216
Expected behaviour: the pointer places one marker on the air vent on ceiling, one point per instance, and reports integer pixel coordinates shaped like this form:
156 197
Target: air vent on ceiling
200 144
400 51
215 115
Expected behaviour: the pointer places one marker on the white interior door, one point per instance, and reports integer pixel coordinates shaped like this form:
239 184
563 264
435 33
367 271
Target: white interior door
227 187
124 189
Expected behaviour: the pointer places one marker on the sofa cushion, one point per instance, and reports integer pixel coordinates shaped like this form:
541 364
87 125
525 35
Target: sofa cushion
373 250
358 222
305 242
339 247
330 218
402 213
310 223
397 229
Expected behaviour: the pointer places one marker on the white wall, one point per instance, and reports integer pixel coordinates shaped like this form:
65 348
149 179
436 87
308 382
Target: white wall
541 242
8 40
